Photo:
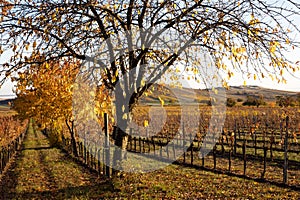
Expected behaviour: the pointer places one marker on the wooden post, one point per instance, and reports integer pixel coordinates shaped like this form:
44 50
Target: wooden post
234 137
281 132
183 143
285 165
255 143
192 153
99 163
153 143
135 149
107 149
147 147
1 157
203 160
234 151
174 151
160 145
140 145
168 155
265 162
214 156
272 141
103 160
84 149
91 154
79 149
184 157
271 149
150 144
87 155
244 156
202 153
144 143
222 142
95 158
129 143
229 160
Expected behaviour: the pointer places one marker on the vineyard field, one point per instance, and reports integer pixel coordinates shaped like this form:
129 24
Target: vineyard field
253 142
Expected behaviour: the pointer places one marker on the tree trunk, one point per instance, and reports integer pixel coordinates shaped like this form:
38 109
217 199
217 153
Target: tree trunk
120 135
121 140
127 93
73 140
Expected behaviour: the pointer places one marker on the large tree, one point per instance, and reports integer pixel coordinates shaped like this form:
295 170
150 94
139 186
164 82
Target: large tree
133 43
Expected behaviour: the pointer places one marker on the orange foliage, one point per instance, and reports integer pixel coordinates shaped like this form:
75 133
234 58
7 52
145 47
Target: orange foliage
44 92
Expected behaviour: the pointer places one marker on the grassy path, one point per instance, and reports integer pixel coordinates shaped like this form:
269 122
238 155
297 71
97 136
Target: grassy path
40 171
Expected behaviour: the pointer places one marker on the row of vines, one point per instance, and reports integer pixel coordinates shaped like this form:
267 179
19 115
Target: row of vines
12 133
259 143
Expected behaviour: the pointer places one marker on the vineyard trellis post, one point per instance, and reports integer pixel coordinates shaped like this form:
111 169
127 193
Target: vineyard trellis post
285 165
245 156
107 149
229 159
214 157
84 148
99 163
255 143
183 142
235 133
265 149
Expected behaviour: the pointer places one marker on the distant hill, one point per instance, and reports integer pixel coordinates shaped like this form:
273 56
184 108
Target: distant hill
196 96
268 94
4 102
188 95
4 107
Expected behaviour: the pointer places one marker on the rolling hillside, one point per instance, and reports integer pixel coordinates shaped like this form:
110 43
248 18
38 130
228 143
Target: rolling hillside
192 96
188 95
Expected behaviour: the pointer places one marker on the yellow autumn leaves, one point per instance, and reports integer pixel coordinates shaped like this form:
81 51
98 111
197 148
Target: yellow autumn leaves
48 87
273 46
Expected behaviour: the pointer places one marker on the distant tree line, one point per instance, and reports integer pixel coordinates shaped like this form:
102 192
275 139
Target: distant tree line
251 100
254 101
286 101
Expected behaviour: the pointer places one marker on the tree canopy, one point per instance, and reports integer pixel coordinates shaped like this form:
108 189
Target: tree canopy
127 45
254 32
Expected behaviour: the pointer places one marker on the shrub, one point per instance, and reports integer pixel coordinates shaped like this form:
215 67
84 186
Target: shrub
239 100
230 102
253 101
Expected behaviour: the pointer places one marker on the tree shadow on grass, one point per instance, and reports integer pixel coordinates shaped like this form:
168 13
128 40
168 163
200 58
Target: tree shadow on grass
95 191
9 183
97 188
38 148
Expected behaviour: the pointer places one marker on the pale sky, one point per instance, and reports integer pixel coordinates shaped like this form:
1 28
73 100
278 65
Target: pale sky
293 84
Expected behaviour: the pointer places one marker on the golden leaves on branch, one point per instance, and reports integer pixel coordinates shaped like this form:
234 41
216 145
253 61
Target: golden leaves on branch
5 7
45 91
